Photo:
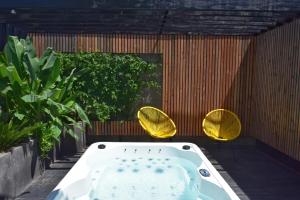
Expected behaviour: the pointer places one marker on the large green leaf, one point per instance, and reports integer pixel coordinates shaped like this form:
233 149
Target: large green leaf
60 108
50 61
66 85
32 66
69 119
36 84
31 98
3 70
46 55
56 94
3 59
47 93
53 74
55 132
13 75
14 51
29 49
82 114
4 89
69 102
19 116
71 132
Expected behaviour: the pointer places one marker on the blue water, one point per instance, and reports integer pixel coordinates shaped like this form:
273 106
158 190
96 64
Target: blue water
146 178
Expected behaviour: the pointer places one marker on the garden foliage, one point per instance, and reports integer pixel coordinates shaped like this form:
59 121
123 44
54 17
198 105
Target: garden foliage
108 85
39 95
32 91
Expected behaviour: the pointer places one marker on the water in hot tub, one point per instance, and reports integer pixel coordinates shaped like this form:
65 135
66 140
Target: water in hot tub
146 178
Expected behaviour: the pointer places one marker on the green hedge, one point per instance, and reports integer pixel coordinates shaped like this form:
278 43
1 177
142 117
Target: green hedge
108 85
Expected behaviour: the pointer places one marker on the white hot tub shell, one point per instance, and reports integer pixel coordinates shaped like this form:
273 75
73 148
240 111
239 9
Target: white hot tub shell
127 170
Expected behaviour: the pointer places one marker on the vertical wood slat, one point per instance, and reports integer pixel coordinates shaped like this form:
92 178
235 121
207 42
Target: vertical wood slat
276 92
200 73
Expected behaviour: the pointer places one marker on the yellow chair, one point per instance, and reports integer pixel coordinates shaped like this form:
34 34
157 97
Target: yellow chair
157 123
221 125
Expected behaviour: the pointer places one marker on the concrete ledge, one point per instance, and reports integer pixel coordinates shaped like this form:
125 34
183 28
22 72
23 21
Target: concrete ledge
19 167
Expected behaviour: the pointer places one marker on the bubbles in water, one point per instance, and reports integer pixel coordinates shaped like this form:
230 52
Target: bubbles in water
97 171
159 171
135 170
120 170
169 186
117 158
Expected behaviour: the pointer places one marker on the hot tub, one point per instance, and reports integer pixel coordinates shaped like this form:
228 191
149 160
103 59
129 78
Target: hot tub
148 171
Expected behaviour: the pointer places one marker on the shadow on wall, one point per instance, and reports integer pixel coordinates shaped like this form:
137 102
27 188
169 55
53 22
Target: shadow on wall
188 124
239 93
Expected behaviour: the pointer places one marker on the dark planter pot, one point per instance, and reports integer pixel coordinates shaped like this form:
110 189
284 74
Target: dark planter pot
19 167
69 145
50 158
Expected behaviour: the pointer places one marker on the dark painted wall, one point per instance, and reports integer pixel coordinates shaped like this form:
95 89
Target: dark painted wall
278 5
8 29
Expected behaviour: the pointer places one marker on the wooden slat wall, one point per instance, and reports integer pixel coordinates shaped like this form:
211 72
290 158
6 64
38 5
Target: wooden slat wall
276 89
200 73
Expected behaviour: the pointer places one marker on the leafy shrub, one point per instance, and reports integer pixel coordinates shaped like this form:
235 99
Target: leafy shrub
11 134
107 85
32 90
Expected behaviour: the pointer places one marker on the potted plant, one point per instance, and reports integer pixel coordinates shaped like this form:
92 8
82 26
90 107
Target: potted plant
34 98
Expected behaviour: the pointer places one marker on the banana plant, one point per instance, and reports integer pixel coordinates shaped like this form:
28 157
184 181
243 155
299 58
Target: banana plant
32 89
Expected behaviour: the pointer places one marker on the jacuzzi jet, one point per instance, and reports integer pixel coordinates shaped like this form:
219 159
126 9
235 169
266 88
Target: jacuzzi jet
124 150
159 150
204 172
149 150
101 146
186 147
135 150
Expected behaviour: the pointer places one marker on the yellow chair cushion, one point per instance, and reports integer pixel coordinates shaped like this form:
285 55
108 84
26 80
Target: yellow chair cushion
155 122
222 125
